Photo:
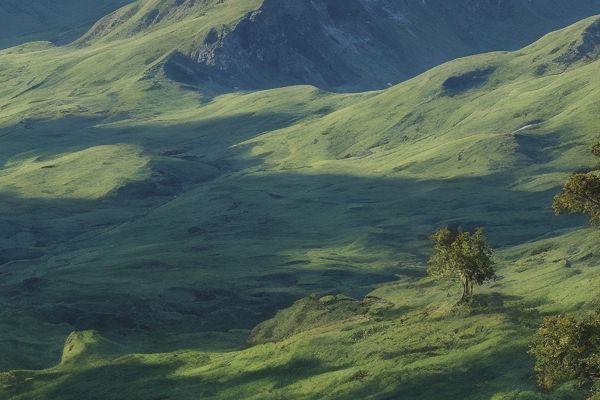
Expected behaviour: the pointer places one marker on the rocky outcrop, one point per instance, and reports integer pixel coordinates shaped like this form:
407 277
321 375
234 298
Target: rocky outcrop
586 48
296 42
360 44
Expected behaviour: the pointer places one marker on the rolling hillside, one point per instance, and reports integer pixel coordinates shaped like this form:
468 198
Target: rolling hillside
48 20
166 219
348 45
337 45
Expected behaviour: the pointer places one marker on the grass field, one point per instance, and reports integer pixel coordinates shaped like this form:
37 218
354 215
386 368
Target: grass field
164 222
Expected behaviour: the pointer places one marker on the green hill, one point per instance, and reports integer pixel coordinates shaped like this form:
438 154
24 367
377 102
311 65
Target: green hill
348 45
165 219
56 21
256 44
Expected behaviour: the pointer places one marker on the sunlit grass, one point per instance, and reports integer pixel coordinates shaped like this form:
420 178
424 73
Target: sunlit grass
249 201
87 174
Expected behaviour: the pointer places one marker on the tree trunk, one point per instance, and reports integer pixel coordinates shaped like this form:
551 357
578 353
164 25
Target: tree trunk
467 285
465 295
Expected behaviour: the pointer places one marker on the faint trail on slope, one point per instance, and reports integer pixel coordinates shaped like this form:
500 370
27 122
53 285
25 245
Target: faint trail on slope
532 124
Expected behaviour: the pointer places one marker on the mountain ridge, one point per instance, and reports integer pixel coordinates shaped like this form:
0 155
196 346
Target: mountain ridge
162 220
341 46
336 46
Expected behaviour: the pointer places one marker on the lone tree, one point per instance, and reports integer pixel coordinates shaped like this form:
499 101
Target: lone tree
464 256
581 193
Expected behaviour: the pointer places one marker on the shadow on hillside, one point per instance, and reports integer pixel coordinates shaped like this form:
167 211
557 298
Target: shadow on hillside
473 376
126 379
229 252
210 137
521 312
480 376
60 23
137 379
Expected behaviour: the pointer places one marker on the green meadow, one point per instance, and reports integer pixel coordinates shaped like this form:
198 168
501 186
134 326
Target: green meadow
168 240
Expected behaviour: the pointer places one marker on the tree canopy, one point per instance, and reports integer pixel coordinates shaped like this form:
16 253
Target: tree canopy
581 193
567 349
464 256
596 149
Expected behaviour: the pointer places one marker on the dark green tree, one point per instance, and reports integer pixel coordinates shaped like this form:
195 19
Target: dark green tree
596 149
581 193
464 256
567 349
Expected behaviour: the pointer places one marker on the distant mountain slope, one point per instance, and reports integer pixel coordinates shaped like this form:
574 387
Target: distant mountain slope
167 211
53 20
157 213
336 45
169 224
343 44
358 44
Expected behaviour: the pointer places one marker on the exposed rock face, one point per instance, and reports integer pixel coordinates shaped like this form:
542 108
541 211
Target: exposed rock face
587 48
292 42
361 44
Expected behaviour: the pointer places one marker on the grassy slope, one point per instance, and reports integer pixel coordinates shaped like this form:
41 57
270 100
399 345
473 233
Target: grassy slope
279 194
294 42
410 346
54 21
